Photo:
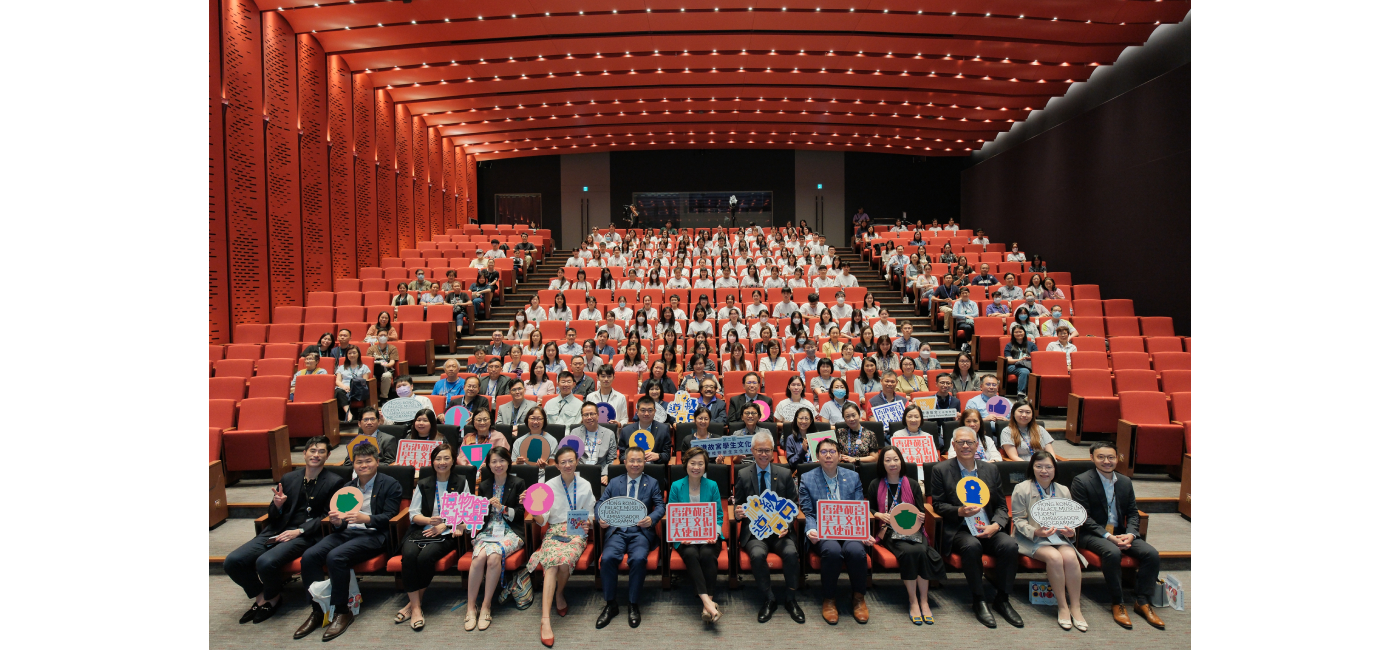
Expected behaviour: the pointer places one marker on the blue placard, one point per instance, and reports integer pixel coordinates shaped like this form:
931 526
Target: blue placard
606 412
725 446
890 412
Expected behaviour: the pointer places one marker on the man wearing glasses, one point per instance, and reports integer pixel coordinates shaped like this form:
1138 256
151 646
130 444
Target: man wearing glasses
753 480
833 483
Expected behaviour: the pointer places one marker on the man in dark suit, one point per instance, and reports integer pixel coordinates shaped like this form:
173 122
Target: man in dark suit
634 541
583 384
1111 531
970 531
299 501
354 538
494 384
660 433
752 481
709 401
752 383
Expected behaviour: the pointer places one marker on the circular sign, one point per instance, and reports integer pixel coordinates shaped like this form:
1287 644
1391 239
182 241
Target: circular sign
973 492
535 448
457 416
763 410
347 500
999 406
906 519
642 439
606 412
1058 512
401 409
572 442
622 512
538 499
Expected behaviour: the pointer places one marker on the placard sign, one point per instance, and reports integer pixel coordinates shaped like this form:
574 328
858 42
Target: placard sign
769 514
347 500
606 412
1041 593
578 523
929 405
889 412
401 409
906 519
813 439
916 449
476 454
973 492
457 416
682 412
641 439
622 512
363 439
1058 512
416 454
843 520
460 508
538 499
999 406
690 522
573 442
725 445
763 410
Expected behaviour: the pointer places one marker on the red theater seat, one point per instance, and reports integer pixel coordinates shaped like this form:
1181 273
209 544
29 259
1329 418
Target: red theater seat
1146 434
1092 404
260 441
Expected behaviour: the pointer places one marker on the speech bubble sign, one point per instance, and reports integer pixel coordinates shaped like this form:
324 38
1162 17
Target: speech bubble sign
843 520
916 449
929 405
538 499
690 522
401 409
573 442
973 492
476 454
622 512
534 449
642 439
906 519
606 412
347 500
1058 512
457 416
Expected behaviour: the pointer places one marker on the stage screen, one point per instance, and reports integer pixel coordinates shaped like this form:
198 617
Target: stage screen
703 209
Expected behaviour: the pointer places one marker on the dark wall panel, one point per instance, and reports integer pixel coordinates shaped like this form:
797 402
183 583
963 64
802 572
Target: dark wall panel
366 228
219 329
341 131
704 170
244 164
532 175
887 185
283 188
386 207
1106 196
315 201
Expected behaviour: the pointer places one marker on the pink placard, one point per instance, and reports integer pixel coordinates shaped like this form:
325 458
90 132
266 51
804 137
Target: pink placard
690 522
462 508
843 520
415 453
538 499
916 449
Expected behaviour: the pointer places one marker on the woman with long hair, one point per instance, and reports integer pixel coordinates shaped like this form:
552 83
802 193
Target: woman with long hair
794 397
537 384
1023 436
965 376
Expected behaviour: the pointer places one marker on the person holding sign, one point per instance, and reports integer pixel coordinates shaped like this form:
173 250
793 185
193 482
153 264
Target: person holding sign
752 384
702 432
974 523
701 558
599 444
513 412
989 404
605 393
299 501
633 541
356 536
1053 546
481 433
500 537
1111 531
753 480
369 426
534 446
918 562
471 398
660 451
562 543
827 483
431 538
913 423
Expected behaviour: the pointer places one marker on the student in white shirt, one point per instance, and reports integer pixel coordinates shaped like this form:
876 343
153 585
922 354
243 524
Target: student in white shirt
1015 255
773 360
678 282
560 310
699 324
590 312
885 326
561 282
622 311
704 281
787 306
841 310
535 313
726 280
631 283
735 325
577 260
868 307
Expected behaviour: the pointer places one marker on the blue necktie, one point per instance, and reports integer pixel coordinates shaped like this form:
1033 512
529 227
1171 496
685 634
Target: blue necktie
632 488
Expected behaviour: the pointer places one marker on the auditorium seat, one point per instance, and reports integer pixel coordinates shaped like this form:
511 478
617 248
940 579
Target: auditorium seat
227 388
1118 307
1088 326
260 440
233 368
1126 344
1092 405
1130 361
271 385
1157 326
318 314
320 299
1156 344
1121 326
1136 379
284 333
1086 360
250 333
312 332
1171 361
313 411
1048 384
243 351
1176 381
1085 291
286 314
1146 434
986 338
1088 307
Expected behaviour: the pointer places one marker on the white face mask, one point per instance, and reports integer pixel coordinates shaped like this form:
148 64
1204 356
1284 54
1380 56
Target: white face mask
840 300
923 354
383 340
519 319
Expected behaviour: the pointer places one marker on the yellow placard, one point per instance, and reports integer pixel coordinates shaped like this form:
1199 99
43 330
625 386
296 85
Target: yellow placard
643 439
973 492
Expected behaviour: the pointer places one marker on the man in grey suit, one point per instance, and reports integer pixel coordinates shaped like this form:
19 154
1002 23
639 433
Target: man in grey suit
512 413
752 481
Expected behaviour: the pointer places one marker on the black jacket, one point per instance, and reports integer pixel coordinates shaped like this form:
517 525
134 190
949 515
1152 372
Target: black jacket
510 498
872 494
736 405
1087 490
427 490
942 484
283 519
384 503
746 485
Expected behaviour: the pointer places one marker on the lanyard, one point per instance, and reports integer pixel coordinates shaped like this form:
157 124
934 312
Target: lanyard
1041 490
893 489
851 437
572 494
590 443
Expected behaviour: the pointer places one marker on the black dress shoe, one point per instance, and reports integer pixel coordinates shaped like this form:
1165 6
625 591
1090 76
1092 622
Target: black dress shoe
339 624
313 622
250 614
634 614
795 611
984 614
268 609
766 612
1004 608
606 616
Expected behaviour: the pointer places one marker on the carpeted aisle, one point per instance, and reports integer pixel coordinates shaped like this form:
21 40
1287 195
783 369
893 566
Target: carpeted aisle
671 619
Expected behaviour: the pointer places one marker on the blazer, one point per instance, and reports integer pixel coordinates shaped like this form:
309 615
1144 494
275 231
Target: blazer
427 490
279 520
383 502
872 494
709 493
584 386
501 383
660 433
746 485
717 408
473 406
648 492
736 405
510 498
942 483
812 488
506 413
1087 489
1023 496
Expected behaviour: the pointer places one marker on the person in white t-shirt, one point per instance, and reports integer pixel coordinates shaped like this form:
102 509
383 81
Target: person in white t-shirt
1062 344
884 326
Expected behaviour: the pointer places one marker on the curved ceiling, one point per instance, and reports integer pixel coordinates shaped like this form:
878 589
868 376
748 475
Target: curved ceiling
528 77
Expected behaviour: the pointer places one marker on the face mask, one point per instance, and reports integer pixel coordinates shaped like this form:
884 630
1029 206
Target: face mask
839 393
404 391
1055 313
420 276
519 319
763 319
840 301
923 354
1023 317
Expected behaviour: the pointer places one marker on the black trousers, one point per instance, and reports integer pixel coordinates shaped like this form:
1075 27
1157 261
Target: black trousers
1112 566
916 560
786 548
1000 546
702 565
257 567
342 398
340 551
418 562
833 552
965 327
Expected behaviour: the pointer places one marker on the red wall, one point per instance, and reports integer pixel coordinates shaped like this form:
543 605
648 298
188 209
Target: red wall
313 172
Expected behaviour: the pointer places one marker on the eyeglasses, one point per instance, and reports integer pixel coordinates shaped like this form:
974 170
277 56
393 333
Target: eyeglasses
827 452
965 443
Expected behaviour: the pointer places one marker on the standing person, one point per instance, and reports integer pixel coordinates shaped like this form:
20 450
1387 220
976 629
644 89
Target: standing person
701 558
825 483
431 538
1063 563
354 538
559 551
634 541
299 501
500 537
1111 531
918 562
753 480
971 531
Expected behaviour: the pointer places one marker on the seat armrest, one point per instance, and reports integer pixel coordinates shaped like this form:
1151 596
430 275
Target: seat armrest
398 528
259 524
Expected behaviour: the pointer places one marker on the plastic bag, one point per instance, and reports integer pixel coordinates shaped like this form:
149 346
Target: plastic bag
321 593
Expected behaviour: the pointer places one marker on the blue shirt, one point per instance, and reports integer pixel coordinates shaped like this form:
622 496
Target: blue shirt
965 309
902 345
571 349
450 389
805 365
1112 504
606 349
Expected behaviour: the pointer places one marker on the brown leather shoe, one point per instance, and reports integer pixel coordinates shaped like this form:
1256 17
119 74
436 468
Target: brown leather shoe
858 608
1120 616
829 611
1145 610
339 624
313 622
